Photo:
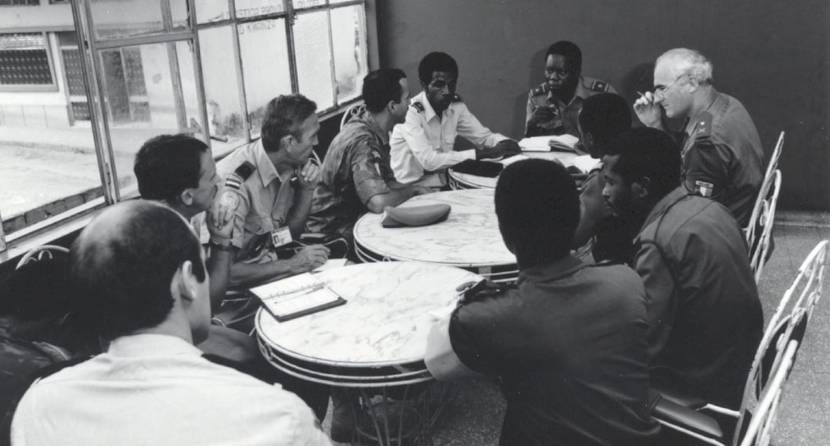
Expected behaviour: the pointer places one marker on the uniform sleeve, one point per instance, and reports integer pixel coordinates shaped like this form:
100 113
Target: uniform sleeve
661 304
707 162
368 181
469 127
441 359
236 201
528 112
416 141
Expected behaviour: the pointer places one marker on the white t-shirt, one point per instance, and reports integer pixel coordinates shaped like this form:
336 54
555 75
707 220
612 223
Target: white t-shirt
152 389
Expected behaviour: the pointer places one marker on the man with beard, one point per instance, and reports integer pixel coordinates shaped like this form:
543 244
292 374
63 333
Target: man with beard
704 314
553 106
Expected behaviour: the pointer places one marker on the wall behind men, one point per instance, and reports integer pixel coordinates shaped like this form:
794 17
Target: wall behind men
771 55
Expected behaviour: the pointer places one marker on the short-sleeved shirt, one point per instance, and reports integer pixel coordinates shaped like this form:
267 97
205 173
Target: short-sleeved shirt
355 169
158 389
425 140
723 157
704 313
566 115
266 200
568 347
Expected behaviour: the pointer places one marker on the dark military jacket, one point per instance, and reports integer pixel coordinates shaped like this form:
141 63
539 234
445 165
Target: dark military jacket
723 157
355 169
566 114
704 314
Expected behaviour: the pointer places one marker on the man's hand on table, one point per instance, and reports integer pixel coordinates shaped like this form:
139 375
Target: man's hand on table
504 148
309 257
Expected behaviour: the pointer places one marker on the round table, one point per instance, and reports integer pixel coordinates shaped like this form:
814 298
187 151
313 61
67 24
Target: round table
459 180
376 341
468 239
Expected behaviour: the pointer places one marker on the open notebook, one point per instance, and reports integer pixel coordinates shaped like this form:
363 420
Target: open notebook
296 296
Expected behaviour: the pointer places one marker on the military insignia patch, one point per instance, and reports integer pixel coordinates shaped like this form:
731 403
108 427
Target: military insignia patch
418 107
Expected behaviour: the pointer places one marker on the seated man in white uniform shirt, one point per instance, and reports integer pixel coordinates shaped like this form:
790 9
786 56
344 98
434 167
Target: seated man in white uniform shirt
142 281
425 141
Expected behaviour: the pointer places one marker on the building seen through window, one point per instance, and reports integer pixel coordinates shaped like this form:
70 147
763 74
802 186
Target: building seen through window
71 120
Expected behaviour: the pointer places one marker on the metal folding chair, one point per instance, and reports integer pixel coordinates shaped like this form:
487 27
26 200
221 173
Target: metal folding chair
786 328
352 111
772 166
43 252
759 233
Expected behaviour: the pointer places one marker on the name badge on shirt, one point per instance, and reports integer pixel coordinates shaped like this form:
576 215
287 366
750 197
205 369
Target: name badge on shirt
281 237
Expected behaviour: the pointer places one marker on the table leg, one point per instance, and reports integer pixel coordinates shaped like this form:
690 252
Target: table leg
398 415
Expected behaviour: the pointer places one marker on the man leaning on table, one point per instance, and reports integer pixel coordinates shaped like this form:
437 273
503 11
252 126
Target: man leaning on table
142 281
568 344
356 175
425 142
272 198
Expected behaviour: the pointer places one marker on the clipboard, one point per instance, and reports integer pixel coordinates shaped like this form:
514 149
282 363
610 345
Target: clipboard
296 297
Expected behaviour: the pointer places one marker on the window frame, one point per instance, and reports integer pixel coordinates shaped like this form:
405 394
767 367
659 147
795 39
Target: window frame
16 243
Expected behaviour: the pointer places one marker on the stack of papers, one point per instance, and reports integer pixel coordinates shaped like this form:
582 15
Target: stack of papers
547 143
296 296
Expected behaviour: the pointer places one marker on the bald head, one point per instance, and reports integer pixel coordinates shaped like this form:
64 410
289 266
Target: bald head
123 263
686 62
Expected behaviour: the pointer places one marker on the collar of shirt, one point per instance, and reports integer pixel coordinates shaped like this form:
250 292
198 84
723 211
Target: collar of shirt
266 169
429 112
151 344
692 122
365 117
663 206
580 92
551 271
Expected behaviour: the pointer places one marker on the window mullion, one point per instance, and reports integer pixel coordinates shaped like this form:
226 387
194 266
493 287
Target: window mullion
199 75
240 75
292 52
333 77
94 96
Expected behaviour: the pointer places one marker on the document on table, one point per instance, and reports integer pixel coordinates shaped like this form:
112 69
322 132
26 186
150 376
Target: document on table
296 296
548 143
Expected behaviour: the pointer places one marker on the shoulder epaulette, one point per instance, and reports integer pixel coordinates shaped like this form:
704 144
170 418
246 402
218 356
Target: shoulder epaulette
242 173
418 107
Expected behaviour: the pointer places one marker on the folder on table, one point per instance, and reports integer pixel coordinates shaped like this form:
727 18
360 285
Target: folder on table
296 296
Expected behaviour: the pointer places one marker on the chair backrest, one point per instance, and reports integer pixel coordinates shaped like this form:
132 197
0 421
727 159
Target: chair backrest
772 166
760 426
41 253
760 232
354 110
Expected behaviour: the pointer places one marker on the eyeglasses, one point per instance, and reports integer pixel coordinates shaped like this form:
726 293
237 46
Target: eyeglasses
661 90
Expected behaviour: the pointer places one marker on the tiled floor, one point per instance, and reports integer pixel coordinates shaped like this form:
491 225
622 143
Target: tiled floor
474 417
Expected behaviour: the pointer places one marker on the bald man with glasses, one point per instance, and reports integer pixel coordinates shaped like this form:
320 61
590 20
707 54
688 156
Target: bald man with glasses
721 150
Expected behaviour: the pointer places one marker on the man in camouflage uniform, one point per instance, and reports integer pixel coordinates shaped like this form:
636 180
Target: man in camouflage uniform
553 107
356 174
722 153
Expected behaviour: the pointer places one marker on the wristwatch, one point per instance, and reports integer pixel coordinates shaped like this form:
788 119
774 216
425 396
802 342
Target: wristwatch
221 245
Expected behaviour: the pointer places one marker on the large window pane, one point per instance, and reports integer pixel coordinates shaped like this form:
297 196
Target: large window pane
212 10
264 66
149 90
250 8
311 41
348 27
125 18
222 89
48 163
